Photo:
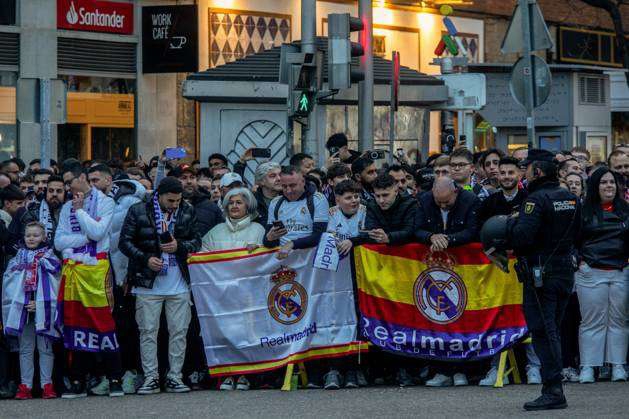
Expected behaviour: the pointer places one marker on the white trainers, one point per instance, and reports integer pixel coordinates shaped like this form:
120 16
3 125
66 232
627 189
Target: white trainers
460 379
619 373
227 384
439 380
570 375
243 384
533 375
491 377
587 375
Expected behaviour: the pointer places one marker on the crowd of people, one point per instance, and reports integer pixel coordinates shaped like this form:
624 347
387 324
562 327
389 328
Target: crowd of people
95 275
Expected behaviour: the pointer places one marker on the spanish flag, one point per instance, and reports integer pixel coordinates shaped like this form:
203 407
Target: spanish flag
452 305
85 309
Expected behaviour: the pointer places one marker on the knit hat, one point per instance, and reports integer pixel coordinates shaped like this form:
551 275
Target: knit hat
169 185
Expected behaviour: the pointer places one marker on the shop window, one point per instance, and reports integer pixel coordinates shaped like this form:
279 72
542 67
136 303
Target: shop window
8 129
592 90
597 146
7 12
99 85
108 143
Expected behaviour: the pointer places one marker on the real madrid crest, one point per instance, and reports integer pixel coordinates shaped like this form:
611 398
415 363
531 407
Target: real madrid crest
288 299
439 292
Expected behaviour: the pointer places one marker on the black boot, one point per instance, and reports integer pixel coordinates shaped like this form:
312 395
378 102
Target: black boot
551 398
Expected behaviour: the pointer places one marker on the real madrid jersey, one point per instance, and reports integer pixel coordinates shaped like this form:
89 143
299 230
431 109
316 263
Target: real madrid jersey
343 227
296 216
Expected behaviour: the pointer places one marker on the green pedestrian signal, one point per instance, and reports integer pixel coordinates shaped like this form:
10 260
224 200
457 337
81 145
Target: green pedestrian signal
303 104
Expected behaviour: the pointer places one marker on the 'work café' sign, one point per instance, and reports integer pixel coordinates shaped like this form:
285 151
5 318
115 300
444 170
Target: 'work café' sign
170 39
95 16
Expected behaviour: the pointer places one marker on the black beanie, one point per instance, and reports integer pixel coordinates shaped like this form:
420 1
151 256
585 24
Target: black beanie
12 193
169 185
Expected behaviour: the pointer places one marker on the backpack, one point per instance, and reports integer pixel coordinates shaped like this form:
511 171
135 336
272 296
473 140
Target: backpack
309 204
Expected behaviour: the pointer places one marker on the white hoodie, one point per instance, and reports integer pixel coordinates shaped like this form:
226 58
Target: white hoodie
233 235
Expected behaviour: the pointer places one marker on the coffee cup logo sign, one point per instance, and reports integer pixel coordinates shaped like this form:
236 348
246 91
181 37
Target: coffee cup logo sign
95 16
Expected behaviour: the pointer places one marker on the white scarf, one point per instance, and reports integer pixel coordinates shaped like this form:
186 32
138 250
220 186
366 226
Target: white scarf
45 218
44 264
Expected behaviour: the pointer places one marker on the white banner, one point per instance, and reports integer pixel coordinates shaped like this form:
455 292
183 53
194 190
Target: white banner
259 313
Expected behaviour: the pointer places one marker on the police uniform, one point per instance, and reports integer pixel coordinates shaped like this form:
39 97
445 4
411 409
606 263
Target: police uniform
543 237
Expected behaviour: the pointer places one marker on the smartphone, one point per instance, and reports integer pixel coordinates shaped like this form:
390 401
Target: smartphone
165 237
376 154
264 153
333 150
175 153
278 224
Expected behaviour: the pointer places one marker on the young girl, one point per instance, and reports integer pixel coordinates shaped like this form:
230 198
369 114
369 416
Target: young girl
29 300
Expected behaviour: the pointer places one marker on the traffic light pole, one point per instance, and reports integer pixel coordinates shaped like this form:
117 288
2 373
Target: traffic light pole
309 143
365 87
528 75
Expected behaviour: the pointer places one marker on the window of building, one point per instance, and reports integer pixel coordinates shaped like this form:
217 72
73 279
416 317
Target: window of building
8 128
7 12
592 90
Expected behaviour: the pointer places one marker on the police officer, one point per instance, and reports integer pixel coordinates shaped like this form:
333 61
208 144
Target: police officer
543 237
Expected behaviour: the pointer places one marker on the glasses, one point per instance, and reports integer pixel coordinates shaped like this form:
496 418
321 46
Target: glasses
459 165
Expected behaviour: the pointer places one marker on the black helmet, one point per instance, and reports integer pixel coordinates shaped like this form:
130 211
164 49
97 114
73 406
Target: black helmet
493 236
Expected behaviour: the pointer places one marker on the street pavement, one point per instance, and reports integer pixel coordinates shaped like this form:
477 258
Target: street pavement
600 400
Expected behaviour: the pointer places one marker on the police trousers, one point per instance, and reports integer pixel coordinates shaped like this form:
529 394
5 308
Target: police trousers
544 309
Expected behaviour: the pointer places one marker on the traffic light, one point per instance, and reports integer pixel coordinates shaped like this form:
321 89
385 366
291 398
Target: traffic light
341 50
302 73
303 103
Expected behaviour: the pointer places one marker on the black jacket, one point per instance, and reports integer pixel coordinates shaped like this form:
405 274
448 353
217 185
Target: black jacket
139 241
263 208
604 240
548 225
497 204
462 224
207 212
397 221
18 225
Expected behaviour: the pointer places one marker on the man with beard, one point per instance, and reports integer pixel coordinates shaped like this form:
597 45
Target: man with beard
618 162
509 198
365 173
208 213
40 178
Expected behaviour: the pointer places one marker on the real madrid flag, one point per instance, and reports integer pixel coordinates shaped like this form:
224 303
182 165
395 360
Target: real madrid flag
452 305
258 313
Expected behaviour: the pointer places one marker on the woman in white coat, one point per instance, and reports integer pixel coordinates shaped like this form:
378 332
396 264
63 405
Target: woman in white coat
237 232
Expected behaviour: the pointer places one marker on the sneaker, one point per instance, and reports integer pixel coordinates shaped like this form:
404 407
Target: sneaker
619 373
332 380
100 389
604 373
23 392
242 383
439 380
403 378
460 379
6 393
313 385
115 389
76 391
128 382
150 386
491 377
587 375
49 392
361 379
379 381
227 384
351 379
175 385
533 375
547 402
194 381
570 375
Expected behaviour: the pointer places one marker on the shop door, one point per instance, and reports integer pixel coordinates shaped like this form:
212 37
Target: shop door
109 143
69 141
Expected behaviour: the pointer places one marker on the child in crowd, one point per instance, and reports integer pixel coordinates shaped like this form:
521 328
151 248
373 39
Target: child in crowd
29 305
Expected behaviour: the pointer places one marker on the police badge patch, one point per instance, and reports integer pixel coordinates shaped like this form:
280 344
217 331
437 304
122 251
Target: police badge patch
529 207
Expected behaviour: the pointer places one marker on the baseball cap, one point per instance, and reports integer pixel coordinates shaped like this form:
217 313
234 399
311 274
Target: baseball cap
229 178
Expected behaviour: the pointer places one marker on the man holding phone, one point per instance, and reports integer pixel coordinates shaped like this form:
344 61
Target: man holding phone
337 145
158 237
297 217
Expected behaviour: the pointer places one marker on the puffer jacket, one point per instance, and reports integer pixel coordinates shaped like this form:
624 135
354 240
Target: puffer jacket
129 192
139 241
397 221
233 235
604 241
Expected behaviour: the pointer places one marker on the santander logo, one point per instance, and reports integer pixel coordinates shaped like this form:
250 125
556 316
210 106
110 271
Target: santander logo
94 15
72 16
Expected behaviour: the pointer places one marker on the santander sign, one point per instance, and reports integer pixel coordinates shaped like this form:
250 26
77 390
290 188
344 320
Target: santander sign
95 16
